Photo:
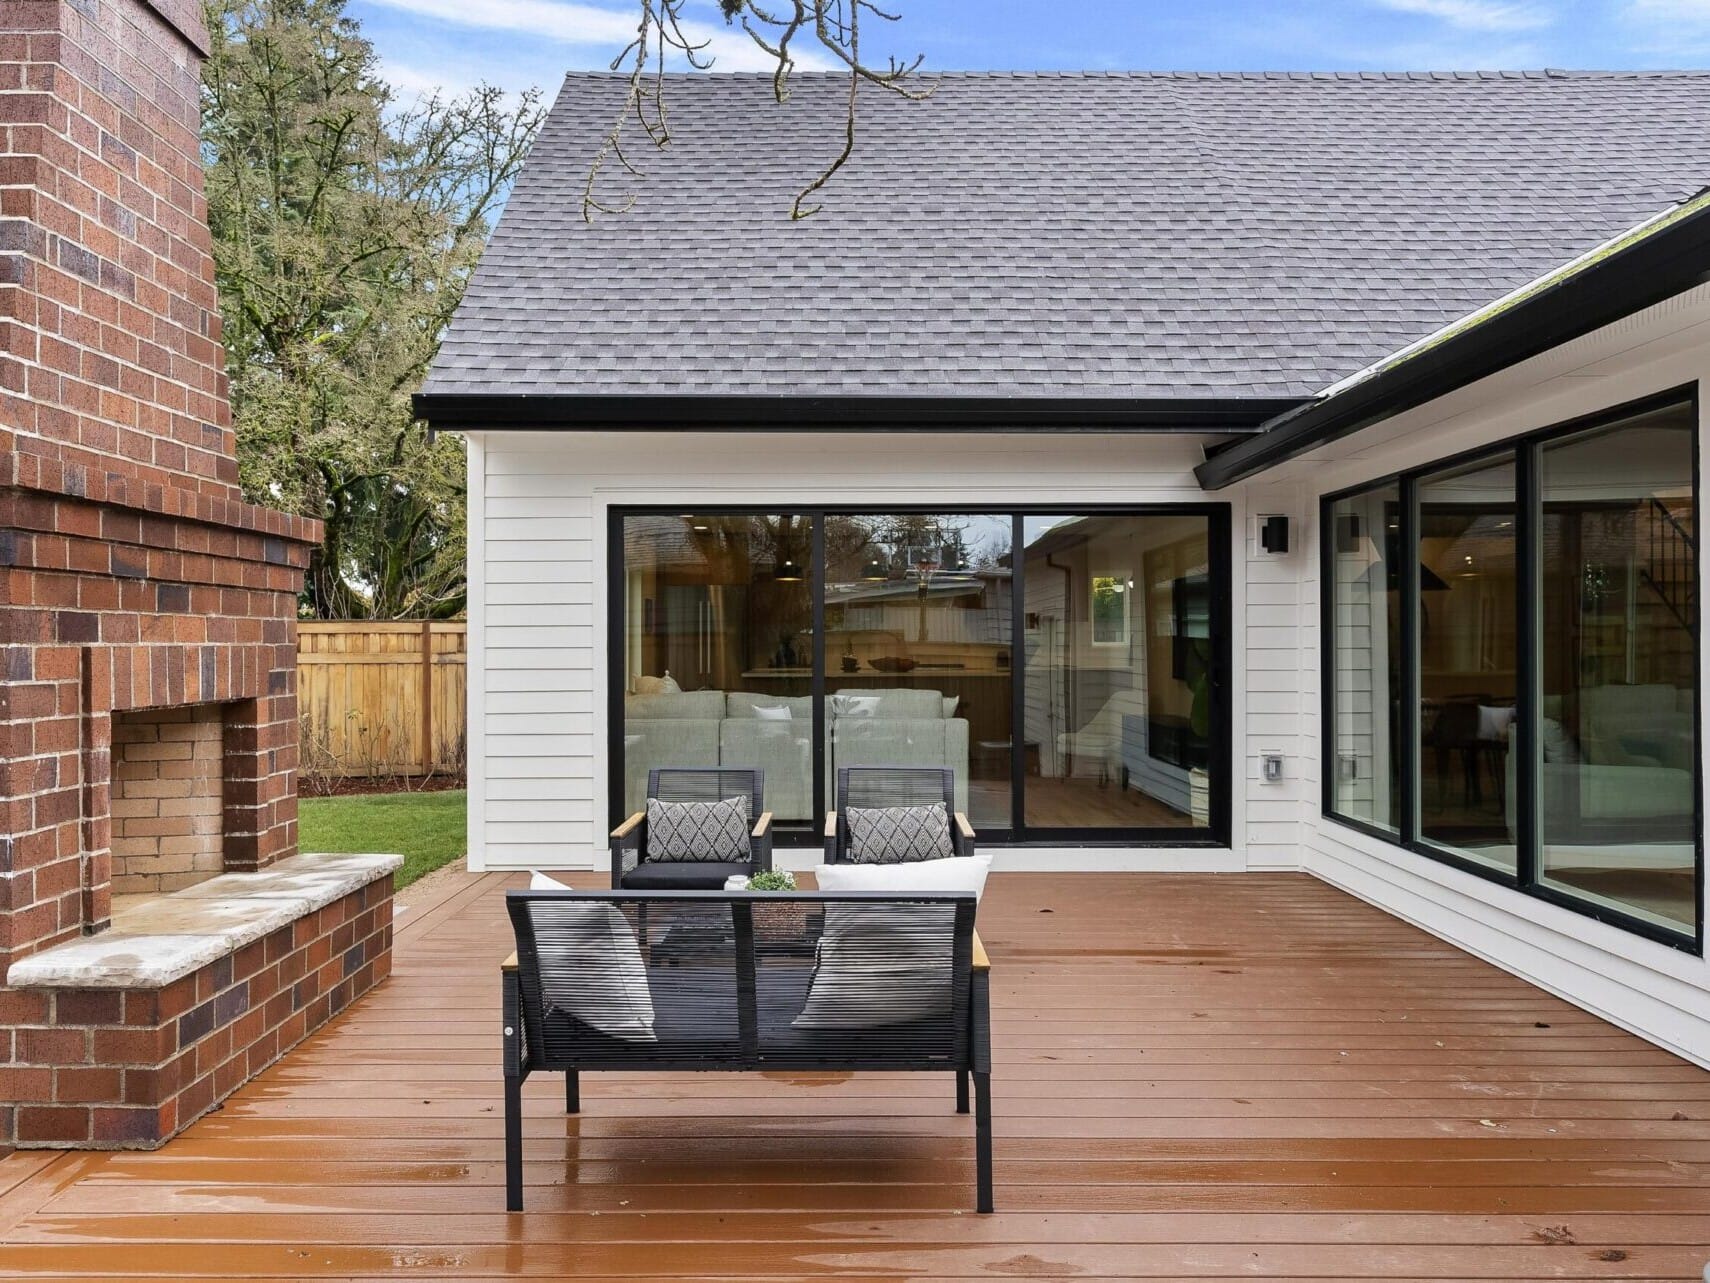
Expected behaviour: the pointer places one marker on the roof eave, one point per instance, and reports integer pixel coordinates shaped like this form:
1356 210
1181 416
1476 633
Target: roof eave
467 412
1651 269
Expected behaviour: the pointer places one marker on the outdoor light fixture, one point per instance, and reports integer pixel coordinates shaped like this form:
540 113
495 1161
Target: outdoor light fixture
1348 533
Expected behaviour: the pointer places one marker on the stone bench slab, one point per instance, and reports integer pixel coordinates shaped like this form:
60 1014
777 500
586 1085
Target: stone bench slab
156 940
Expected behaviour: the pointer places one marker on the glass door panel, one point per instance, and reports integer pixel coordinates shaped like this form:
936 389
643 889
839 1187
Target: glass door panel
1468 661
917 651
718 652
1365 646
1119 690
1618 738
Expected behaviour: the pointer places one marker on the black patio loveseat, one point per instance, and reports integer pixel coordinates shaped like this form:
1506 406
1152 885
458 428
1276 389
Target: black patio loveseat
713 980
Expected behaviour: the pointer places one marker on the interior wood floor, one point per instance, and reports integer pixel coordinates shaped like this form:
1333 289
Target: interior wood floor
1077 803
1196 1077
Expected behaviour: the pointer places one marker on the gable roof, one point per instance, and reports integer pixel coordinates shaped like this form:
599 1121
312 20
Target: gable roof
1052 238
1660 258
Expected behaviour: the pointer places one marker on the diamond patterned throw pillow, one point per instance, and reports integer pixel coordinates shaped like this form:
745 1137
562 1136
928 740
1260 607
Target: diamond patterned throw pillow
899 834
715 832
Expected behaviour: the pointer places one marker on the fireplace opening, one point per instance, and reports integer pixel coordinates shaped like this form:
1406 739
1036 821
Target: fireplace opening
167 798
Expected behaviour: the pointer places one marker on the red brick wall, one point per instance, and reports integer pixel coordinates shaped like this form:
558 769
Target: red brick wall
131 573
128 1069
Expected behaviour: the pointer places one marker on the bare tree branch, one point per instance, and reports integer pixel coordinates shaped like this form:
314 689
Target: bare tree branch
663 36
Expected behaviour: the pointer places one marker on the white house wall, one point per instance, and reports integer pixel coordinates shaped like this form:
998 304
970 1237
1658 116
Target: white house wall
538 668
1659 992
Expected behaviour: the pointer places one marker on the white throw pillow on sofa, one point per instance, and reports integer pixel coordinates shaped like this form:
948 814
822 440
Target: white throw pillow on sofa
595 973
926 877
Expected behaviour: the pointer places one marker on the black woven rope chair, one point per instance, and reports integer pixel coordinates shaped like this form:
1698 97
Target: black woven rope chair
806 982
632 870
876 787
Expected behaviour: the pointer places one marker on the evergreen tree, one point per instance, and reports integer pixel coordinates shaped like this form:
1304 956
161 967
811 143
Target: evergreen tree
345 225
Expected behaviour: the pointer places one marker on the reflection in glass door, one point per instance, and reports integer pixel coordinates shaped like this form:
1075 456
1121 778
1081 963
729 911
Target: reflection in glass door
1468 660
1617 745
1075 693
917 651
1120 699
718 662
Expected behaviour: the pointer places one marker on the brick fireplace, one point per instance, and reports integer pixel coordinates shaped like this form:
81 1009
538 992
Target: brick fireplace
148 735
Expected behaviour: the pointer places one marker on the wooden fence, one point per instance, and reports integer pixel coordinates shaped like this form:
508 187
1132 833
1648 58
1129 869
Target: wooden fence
379 699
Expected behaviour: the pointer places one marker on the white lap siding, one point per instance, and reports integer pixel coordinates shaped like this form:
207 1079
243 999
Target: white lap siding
1659 992
538 668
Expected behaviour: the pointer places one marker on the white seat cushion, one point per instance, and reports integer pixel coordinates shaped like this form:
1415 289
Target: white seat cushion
926 877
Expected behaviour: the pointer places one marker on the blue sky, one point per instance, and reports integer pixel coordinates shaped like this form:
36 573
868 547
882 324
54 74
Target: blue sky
516 43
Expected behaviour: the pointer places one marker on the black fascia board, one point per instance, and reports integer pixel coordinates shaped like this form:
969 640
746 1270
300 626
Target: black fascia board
454 412
1651 269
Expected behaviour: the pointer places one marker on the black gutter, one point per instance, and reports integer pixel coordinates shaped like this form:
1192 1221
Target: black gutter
1655 267
455 412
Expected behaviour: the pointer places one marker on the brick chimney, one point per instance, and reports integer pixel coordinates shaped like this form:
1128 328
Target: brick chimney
137 587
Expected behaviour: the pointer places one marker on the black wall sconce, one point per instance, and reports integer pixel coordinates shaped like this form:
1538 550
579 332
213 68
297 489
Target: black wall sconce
1273 534
1348 532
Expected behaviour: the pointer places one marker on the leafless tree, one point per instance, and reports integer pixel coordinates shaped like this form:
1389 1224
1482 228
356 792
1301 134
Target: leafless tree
778 27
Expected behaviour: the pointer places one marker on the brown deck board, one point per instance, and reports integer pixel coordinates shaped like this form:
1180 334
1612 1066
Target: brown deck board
1195 1077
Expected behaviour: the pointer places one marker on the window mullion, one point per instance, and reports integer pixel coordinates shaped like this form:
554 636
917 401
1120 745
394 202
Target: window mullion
1409 640
1528 642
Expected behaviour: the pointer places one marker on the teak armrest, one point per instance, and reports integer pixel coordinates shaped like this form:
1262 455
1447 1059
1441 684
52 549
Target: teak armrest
629 826
510 963
831 824
981 962
962 824
762 824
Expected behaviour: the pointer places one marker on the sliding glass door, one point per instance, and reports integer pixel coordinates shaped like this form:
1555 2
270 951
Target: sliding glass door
918 625
1618 742
1076 691
1121 689
718 652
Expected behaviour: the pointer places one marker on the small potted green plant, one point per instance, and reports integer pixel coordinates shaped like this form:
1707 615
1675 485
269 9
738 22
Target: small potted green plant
780 926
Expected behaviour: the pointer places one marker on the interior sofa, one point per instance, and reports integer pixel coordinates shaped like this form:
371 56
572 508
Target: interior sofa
1632 762
897 726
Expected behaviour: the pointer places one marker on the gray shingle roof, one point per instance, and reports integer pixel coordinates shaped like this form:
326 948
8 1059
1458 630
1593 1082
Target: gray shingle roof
1100 236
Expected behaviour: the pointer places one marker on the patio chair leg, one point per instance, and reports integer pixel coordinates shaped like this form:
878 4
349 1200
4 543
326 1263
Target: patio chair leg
513 1145
983 1142
572 1092
961 1091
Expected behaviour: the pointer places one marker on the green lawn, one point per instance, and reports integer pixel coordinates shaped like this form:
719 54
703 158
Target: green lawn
425 828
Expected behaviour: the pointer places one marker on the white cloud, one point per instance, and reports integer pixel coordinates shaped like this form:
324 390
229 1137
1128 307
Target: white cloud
1479 15
1676 29
1672 10
410 82
609 29
1666 13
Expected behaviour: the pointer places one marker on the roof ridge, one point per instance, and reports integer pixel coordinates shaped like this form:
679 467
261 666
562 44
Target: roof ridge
1483 74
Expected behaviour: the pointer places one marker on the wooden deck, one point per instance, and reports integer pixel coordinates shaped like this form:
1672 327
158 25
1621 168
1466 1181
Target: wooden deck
1196 1077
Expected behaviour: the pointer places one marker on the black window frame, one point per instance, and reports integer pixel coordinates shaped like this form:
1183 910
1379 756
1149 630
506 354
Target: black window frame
1019 834
1526 879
